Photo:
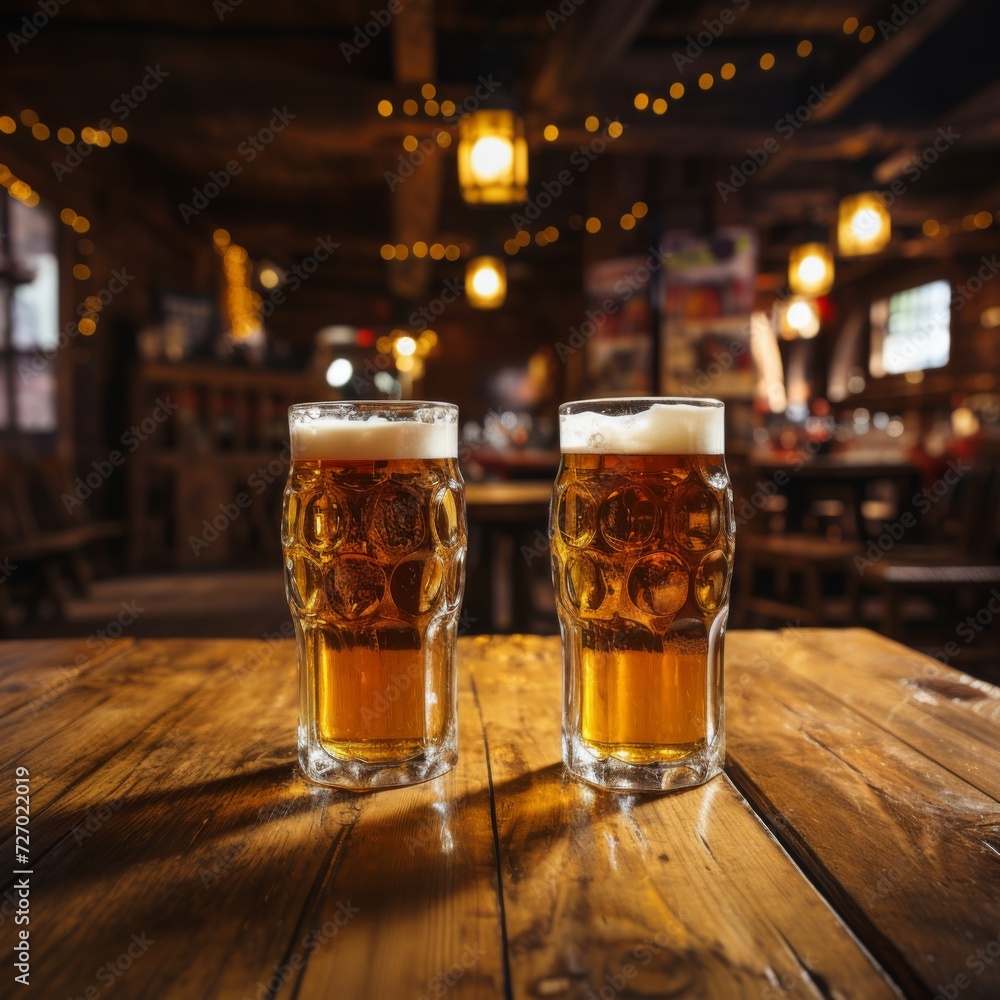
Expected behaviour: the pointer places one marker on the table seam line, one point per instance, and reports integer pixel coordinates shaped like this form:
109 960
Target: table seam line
508 986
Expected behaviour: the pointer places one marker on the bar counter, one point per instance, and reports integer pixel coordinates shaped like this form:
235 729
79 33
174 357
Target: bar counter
851 849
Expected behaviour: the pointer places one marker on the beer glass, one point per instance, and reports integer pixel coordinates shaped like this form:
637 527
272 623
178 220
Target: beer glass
642 538
374 540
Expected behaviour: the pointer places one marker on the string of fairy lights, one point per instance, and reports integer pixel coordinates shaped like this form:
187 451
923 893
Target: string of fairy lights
643 102
22 191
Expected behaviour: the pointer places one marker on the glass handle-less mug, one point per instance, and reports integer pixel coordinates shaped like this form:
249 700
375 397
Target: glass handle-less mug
374 543
642 539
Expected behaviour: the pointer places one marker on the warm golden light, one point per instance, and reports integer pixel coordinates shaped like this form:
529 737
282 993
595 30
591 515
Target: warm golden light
29 117
863 224
659 106
802 317
388 251
7 124
452 252
86 326
102 138
443 139
931 227
88 135
593 224
269 277
850 26
866 34
728 71
80 224
592 123
510 247
705 81
405 346
436 251
983 220
766 60
385 108
410 143
550 133
431 107
40 131
420 249
615 129
810 269
221 238
639 209
486 282
627 221
402 251
447 108
804 48
492 158
677 90
81 272
641 101
523 238
409 107
118 134
427 91
32 199
65 136
67 215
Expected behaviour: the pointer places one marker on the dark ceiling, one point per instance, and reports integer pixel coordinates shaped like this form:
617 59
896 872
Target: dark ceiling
230 63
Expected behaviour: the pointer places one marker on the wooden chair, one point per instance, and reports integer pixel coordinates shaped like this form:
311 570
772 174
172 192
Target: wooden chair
965 567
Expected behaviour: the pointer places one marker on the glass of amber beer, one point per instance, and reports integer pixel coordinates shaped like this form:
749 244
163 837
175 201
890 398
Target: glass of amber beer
374 540
642 537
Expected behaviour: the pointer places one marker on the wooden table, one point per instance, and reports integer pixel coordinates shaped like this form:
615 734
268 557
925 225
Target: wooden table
851 850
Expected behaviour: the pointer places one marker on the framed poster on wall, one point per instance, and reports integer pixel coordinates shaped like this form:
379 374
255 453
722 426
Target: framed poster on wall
706 297
620 336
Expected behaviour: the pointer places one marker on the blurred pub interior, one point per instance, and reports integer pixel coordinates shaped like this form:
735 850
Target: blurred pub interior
213 210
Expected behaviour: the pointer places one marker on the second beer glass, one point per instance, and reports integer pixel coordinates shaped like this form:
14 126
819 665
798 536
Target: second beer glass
374 541
642 537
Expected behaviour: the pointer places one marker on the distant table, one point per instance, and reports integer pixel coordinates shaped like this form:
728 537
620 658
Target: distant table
511 518
852 848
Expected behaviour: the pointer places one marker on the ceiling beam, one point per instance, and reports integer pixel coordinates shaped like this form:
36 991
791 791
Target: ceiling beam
881 61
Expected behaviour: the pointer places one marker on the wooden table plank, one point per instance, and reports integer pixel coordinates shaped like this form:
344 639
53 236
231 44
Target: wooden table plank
680 895
906 849
216 850
948 716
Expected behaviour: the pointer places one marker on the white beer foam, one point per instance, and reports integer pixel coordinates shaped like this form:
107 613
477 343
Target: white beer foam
662 429
373 438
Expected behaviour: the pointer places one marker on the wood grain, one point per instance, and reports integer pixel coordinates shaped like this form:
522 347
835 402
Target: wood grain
905 847
169 816
181 815
678 895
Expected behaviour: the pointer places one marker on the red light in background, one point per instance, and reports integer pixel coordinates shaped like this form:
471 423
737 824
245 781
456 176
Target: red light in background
365 337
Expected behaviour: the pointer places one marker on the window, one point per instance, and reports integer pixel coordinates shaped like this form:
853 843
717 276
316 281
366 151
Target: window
29 319
911 330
